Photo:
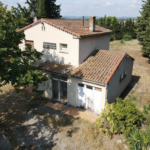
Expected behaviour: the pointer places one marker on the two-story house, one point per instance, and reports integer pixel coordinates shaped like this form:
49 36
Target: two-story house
82 71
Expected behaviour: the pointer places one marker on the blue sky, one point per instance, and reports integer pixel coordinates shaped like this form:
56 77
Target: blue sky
118 8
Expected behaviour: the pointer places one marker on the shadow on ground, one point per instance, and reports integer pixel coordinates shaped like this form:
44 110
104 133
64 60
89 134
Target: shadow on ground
130 87
26 123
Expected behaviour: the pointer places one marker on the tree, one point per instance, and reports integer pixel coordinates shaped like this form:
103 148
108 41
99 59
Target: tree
16 66
48 9
41 8
24 13
143 27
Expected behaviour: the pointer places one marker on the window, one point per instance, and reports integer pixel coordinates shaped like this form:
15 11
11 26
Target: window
98 89
89 87
63 46
49 45
81 85
121 77
31 43
125 73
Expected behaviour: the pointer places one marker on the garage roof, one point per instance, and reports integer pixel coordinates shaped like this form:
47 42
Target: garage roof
99 67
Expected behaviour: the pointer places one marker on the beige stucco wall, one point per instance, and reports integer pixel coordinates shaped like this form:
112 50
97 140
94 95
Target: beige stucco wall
53 35
89 44
47 88
73 91
115 87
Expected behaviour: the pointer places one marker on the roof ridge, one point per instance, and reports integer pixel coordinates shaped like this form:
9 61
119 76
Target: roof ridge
77 29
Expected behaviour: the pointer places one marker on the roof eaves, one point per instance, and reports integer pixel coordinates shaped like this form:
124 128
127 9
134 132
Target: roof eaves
89 35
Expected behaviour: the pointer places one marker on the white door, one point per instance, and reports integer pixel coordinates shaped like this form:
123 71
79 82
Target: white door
97 100
89 99
81 96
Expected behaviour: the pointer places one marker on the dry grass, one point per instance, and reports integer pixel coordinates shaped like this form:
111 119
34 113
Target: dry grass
86 139
141 70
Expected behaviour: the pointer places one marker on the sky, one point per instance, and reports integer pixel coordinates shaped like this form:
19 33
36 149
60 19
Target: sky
118 8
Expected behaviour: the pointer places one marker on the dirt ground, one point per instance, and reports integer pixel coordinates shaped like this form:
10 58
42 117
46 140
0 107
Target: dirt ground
27 124
140 92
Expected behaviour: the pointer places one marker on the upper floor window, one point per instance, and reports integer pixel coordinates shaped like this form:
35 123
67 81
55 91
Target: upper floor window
49 45
64 48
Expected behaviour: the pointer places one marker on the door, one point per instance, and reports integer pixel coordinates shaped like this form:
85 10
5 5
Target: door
81 96
97 100
89 98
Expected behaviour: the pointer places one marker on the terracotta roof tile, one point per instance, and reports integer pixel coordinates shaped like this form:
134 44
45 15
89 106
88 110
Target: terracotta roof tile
99 68
72 26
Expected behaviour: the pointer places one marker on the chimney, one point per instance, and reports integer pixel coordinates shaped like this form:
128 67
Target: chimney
36 18
92 24
83 21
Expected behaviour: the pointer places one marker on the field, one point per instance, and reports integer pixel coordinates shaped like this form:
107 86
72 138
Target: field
140 92
25 123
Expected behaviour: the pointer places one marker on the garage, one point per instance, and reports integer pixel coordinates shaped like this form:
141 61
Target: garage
89 98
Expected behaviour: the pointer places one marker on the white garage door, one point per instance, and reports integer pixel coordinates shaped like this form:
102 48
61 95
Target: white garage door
89 98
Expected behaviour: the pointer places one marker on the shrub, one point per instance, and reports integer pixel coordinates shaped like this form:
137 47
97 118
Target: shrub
120 117
112 38
127 37
139 140
122 41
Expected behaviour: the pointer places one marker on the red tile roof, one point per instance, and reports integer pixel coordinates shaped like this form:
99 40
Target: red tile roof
72 26
98 68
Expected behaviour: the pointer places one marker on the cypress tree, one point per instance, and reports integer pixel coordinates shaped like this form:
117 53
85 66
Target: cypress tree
143 27
48 9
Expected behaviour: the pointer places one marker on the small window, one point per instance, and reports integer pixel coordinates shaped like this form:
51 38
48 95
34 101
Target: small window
125 73
89 87
98 89
63 46
31 43
47 85
121 77
81 85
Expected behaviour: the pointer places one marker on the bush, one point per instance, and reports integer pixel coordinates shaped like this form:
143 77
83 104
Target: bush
139 140
127 37
122 41
121 116
112 38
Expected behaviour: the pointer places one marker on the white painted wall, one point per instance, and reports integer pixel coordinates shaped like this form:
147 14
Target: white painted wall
53 35
115 87
89 44
78 49
73 92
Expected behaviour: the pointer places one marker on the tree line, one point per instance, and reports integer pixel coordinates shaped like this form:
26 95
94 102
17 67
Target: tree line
119 27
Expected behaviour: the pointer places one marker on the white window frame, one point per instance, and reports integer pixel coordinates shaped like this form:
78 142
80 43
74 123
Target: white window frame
63 50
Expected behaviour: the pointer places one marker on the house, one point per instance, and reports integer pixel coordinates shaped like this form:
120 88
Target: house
82 71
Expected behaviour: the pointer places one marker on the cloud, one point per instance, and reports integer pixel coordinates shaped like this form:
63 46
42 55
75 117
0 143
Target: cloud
108 4
92 7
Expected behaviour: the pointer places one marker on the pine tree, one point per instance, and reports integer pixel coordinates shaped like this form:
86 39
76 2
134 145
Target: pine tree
143 27
48 9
